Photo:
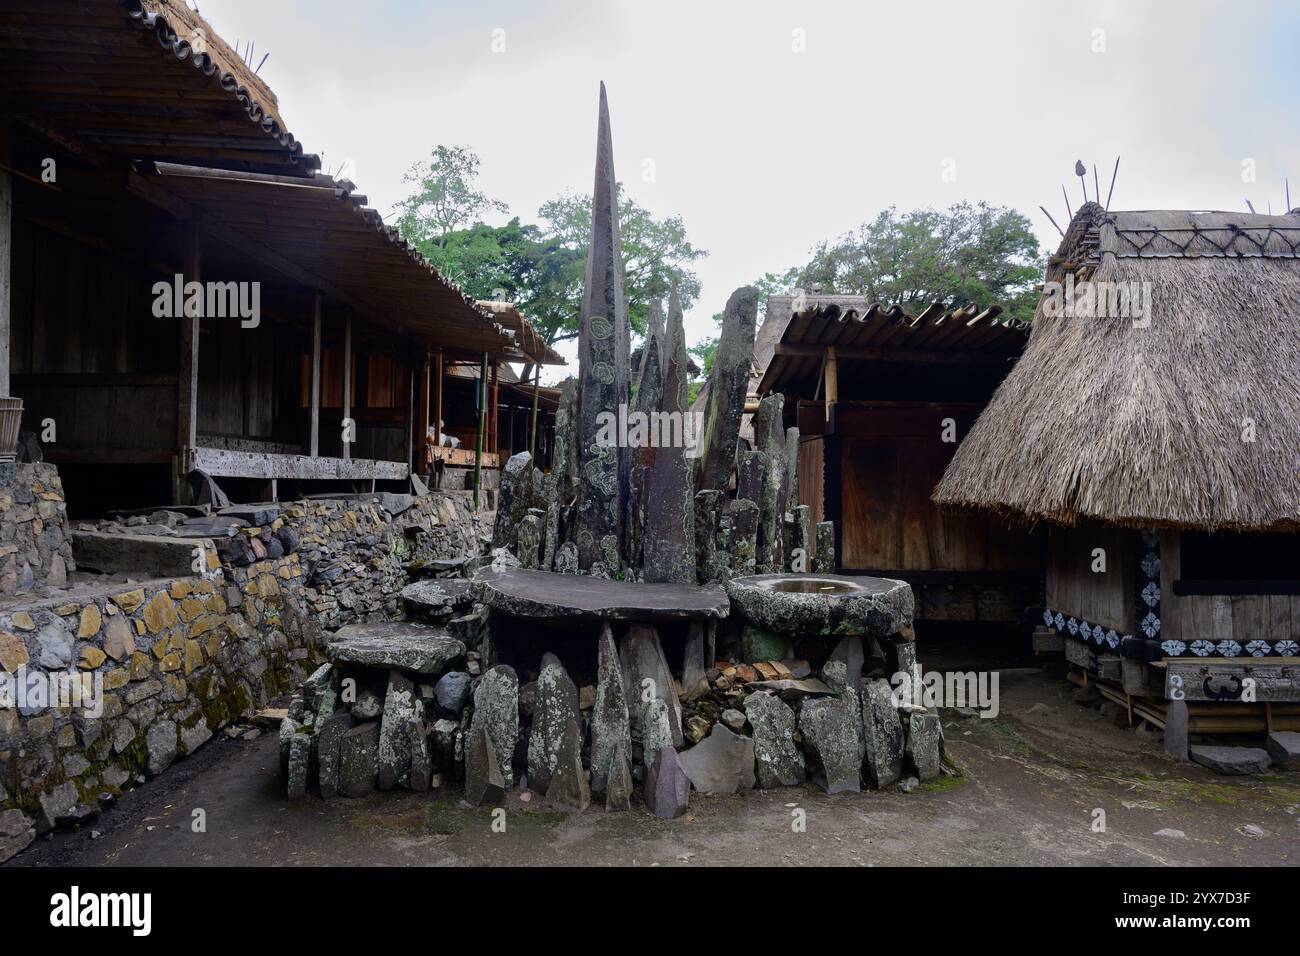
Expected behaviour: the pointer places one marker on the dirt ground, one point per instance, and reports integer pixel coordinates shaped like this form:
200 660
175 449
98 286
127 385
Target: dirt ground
1031 781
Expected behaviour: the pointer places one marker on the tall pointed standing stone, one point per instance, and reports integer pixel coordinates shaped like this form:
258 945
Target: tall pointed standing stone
669 536
610 726
603 369
728 382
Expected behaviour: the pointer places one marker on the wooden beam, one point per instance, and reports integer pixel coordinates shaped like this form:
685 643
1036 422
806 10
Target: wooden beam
347 378
920 356
187 379
224 463
315 377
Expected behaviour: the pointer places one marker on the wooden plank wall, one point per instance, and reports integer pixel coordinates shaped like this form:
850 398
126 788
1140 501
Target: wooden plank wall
88 352
1217 617
1073 588
892 459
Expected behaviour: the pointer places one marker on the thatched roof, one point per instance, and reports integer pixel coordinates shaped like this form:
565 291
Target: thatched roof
1149 426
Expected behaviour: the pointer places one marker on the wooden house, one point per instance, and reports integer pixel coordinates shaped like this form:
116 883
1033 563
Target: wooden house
882 398
136 147
1159 444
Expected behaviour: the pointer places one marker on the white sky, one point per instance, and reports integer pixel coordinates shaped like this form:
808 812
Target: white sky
765 151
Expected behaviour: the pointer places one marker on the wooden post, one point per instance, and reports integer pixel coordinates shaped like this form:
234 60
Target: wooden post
347 381
6 256
532 429
187 379
315 379
832 387
495 447
437 402
410 418
482 424
422 429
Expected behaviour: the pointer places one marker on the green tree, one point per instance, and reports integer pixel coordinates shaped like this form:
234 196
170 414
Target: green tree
655 253
968 253
444 198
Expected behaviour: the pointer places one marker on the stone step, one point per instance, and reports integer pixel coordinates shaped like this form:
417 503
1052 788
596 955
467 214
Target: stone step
395 645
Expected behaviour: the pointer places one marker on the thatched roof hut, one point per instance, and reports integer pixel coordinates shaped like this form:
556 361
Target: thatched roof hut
1186 417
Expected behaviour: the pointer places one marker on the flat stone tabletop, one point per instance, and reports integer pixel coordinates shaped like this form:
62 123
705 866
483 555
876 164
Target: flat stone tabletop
545 594
395 644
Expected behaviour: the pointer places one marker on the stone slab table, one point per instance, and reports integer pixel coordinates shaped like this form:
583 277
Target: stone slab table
568 597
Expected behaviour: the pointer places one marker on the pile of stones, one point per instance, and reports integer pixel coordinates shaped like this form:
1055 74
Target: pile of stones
407 704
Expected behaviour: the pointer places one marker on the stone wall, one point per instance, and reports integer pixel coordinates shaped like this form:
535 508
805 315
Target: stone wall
34 545
170 662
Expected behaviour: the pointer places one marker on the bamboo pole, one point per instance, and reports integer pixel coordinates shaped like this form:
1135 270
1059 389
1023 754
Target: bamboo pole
315 379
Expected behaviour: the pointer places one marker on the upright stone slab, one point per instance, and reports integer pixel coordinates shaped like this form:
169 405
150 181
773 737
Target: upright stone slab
723 762
824 562
849 652
359 760
603 367
483 781
830 730
792 468
744 537
751 475
556 708
777 761
528 539
669 538
728 383
695 682
924 745
562 482
802 549
883 731
618 784
769 436
514 498
642 658
610 725
645 403
1176 729
329 749
710 567
656 732
400 712
421 775
667 788
496 711
568 783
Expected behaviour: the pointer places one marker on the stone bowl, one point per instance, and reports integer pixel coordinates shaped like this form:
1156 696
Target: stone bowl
823 604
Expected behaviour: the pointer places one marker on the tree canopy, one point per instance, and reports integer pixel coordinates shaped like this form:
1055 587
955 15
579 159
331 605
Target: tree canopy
968 253
539 267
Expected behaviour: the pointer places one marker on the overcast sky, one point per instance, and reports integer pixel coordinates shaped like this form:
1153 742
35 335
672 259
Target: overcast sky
771 126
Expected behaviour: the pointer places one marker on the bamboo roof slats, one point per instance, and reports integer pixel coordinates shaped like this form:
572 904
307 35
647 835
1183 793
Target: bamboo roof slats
799 329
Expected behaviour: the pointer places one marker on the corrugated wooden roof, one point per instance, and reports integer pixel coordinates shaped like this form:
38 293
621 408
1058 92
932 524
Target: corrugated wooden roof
124 77
792 342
